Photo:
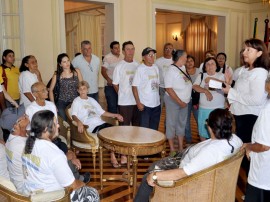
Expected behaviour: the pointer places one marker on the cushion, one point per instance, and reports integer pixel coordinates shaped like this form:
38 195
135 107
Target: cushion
48 196
8 184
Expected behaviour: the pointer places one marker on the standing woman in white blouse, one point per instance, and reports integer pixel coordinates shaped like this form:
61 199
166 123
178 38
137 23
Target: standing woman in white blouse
248 96
178 93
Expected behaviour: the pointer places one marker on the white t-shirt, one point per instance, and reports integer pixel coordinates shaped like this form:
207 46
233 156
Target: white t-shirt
218 100
34 107
1 88
227 68
123 76
248 96
88 111
14 149
146 79
259 174
26 80
46 168
109 62
163 66
89 71
208 153
3 163
181 85
238 72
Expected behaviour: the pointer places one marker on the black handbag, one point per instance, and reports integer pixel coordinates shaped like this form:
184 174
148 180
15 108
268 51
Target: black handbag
169 162
196 95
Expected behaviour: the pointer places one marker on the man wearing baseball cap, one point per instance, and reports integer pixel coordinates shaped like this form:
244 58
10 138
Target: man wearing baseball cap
145 89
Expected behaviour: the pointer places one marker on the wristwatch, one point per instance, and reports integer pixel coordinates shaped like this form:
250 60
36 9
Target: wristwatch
154 177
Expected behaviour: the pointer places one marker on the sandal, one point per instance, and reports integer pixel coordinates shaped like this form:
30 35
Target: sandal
116 164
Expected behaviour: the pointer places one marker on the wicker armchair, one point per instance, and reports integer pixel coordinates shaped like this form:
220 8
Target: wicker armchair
214 184
85 141
8 195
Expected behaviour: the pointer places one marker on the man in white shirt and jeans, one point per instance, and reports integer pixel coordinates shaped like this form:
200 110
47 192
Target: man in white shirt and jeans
145 89
109 62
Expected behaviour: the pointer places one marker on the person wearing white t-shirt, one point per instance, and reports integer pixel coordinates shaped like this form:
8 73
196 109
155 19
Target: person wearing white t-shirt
29 75
88 64
3 161
145 89
178 94
86 111
14 150
209 99
122 81
4 95
45 166
258 151
208 54
222 145
39 90
109 62
223 67
248 95
163 64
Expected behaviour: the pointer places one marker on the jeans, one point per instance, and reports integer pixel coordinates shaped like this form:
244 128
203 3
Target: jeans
144 191
93 95
188 135
112 99
150 117
61 107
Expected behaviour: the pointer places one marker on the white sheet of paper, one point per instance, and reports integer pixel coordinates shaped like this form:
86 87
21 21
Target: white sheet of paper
215 84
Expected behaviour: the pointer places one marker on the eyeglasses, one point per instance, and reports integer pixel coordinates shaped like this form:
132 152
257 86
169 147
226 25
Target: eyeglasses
150 55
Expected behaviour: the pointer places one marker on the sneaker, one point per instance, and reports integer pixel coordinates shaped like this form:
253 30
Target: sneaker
86 177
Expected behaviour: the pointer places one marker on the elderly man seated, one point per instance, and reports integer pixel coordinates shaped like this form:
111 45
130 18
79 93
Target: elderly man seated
40 92
222 144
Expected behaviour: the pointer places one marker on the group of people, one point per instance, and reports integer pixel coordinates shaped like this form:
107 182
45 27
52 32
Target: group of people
135 95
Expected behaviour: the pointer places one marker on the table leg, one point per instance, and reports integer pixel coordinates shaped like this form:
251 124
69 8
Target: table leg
135 164
101 166
163 153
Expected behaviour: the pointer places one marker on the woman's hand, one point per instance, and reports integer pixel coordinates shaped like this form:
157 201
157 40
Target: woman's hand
226 89
183 104
80 126
208 95
228 77
245 146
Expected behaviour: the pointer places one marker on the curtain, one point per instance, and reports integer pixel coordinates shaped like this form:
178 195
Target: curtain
83 26
10 28
200 35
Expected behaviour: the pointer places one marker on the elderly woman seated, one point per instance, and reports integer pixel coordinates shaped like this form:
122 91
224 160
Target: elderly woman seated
222 144
87 111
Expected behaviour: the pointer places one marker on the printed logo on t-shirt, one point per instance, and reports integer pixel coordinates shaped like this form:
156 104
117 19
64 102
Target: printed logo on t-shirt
154 85
90 110
9 155
130 81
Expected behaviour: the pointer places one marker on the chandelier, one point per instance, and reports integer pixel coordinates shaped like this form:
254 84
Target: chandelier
266 1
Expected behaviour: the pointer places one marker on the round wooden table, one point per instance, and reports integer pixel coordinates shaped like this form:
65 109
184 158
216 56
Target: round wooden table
132 141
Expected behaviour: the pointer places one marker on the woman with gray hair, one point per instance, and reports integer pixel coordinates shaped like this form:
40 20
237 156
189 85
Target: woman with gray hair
178 93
